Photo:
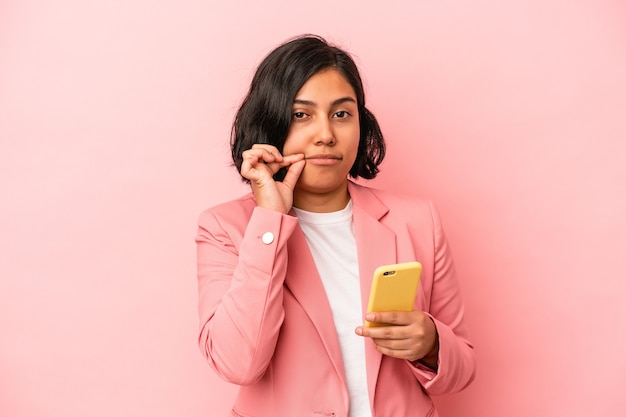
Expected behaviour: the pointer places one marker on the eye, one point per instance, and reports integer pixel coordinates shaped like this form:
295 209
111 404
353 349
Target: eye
342 114
299 115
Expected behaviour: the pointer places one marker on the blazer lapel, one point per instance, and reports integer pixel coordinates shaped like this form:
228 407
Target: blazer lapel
376 246
305 284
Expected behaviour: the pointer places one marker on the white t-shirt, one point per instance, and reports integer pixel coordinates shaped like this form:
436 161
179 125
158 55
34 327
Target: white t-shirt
330 237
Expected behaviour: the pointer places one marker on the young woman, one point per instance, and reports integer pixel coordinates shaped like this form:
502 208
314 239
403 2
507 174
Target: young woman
285 272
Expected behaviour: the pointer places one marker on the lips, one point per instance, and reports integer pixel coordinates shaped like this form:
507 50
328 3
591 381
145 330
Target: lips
323 156
323 160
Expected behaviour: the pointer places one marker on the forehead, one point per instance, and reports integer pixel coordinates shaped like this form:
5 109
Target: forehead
328 83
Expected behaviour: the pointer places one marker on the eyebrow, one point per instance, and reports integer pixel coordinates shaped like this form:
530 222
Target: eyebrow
334 103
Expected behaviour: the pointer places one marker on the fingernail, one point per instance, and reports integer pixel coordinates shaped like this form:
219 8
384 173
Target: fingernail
370 317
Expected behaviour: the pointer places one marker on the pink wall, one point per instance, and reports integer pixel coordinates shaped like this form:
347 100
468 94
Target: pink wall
114 117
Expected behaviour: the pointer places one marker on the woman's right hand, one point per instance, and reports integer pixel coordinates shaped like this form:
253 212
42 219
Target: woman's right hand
259 166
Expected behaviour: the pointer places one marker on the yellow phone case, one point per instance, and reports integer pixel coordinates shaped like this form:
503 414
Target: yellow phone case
394 288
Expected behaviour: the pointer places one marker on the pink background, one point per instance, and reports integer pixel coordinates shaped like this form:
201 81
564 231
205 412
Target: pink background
114 122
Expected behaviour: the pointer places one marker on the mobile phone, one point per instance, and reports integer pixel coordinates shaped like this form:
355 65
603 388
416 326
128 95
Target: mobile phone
394 288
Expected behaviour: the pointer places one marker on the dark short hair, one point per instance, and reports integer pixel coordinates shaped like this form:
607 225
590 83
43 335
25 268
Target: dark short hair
265 114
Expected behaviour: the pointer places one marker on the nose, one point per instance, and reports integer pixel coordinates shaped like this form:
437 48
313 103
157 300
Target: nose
325 134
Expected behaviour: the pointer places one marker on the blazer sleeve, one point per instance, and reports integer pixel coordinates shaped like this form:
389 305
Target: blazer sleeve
240 289
456 354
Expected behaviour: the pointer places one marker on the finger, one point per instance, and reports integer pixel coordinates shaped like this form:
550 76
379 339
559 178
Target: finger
391 317
251 160
392 344
261 155
256 161
293 173
382 332
290 159
270 152
407 354
286 161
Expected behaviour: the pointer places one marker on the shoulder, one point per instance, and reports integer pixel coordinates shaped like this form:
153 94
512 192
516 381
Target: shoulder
393 204
236 210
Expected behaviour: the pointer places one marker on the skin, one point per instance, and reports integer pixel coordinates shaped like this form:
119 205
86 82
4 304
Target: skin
319 151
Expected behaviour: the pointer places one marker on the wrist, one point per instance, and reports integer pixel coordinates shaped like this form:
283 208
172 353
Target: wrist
431 359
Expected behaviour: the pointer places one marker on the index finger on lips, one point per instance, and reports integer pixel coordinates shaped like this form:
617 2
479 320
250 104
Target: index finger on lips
291 159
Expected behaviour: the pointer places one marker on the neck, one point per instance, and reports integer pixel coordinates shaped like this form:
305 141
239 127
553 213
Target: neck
321 202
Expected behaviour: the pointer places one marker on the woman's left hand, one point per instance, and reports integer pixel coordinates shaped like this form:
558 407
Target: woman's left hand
410 335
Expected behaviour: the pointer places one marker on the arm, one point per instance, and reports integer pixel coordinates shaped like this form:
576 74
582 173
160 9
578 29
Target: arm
240 293
456 363
433 342
241 283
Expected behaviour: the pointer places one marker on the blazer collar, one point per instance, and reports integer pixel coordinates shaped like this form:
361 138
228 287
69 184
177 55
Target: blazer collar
376 246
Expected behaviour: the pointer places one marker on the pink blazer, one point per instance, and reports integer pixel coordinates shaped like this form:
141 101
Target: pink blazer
265 321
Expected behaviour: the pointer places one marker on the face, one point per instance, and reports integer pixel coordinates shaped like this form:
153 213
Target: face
325 128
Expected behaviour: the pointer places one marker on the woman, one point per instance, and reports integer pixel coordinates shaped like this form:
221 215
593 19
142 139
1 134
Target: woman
284 272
